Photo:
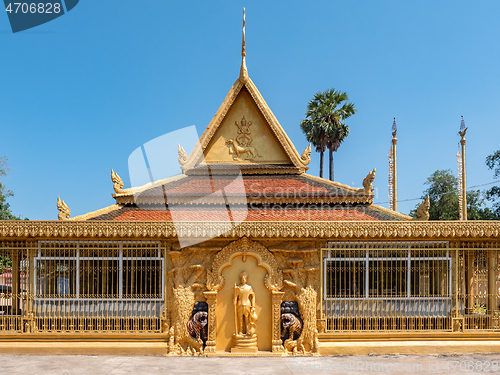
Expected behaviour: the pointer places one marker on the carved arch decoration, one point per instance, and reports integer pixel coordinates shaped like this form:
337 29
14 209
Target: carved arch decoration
244 247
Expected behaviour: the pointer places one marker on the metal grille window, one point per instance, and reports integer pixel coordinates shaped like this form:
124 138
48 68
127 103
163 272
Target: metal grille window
347 278
89 286
430 277
141 277
56 277
386 285
87 271
98 277
387 277
386 273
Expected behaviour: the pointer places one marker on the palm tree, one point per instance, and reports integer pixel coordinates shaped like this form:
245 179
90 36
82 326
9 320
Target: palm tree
315 135
324 125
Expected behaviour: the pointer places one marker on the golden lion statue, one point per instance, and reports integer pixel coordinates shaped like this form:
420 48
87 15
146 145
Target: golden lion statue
250 152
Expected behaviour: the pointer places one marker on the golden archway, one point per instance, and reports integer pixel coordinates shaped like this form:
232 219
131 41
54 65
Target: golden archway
244 247
273 281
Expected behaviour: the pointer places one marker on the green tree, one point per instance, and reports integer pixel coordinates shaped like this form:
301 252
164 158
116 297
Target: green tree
324 125
5 213
443 196
476 209
493 194
315 135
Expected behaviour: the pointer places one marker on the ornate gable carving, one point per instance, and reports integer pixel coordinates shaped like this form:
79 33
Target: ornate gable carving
245 136
225 141
245 247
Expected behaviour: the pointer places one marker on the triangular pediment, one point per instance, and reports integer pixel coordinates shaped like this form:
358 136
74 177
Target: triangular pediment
245 136
245 132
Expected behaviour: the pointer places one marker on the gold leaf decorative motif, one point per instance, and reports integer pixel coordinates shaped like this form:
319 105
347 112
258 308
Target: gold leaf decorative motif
367 183
306 155
64 211
183 157
331 230
117 182
241 147
244 246
423 210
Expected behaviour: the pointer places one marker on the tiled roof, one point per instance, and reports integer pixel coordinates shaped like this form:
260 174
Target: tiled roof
268 188
258 213
199 186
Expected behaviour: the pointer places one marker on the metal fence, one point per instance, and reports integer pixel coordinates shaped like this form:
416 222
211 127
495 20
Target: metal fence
82 286
409 286
120 286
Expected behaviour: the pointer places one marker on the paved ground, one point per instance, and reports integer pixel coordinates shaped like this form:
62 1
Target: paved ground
137 365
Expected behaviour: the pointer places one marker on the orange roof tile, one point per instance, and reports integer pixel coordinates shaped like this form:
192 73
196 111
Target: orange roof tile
261 213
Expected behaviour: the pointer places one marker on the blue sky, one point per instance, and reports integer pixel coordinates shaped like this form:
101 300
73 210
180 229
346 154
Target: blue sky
82 92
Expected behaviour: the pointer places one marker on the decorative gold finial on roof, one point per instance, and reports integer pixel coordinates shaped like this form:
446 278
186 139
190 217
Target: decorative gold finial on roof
306 155
243 69
183 157
117 182
367 183
423 210
64 212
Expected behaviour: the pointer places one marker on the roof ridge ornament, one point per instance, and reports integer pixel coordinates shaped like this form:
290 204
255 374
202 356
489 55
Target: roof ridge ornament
423 210
367 183
243 69
183 156
306 155
117 182
64 211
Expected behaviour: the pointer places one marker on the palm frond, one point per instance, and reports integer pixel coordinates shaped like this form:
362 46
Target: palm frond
324 125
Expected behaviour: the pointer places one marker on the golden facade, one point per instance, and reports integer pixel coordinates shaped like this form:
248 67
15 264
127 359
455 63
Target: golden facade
330 272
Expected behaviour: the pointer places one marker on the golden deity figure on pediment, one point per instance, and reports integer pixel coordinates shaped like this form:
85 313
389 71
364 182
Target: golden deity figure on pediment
240 146
243 137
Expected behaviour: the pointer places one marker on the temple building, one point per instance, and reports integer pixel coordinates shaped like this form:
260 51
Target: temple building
245 253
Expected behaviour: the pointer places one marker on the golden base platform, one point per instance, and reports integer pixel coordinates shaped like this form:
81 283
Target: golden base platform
244 344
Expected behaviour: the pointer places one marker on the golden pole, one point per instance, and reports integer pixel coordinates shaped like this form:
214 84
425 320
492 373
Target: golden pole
492 278
464 191
395 175
469 281
16 291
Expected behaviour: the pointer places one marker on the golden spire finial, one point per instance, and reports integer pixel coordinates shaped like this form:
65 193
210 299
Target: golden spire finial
243 69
